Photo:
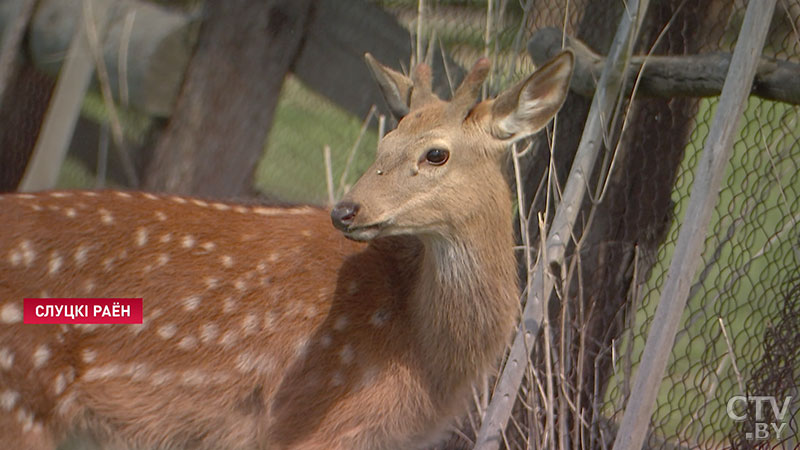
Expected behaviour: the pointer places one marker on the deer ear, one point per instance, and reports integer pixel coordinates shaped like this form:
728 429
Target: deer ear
527 107
395 87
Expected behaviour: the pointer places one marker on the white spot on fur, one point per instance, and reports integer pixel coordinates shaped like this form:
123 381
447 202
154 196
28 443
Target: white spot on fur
25 418
249 362
300 347
178 200
141 236
14 258
167 331
346 354
161 216
227 261
121 194
191 303
8 399
149 196
36 207
249 324
166 237
188 241
200 203
221 206
268 211
211 282
87 327
274 257
108 263
325 341
60 194
59 384
379 318
228 339
240 285
228 305
88 356
262 267
10 313
89 285
162 259
187 343
340 324
311 311
71 213
90 194
40 356
65 404
161 377
105 216
28 255
240 209
25 196
54 265
368 378
97 373
208 332
306 233
80 254
208 246
269 320
6 358
138 371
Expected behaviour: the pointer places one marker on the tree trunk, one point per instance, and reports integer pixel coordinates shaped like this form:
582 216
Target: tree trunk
22 113
219 127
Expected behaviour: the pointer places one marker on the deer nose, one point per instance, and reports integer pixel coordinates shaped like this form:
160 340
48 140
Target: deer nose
343 214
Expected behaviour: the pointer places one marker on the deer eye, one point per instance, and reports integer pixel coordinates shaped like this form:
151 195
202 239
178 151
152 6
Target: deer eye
437 156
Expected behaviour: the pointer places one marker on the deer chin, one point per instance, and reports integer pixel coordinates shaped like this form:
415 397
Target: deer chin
364 233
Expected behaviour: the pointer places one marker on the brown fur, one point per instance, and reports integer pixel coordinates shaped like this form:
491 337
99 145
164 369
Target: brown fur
265 327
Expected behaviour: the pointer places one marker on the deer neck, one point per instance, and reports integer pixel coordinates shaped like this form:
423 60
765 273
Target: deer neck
465 303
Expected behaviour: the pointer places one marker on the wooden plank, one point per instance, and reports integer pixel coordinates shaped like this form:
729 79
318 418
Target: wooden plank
688 250
71 87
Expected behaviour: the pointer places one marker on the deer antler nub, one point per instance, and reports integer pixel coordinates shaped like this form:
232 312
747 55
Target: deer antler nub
468 91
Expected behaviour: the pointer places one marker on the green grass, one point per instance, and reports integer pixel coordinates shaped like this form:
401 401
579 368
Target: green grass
293 167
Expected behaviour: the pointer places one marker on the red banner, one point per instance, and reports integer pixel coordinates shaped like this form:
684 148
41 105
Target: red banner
82 310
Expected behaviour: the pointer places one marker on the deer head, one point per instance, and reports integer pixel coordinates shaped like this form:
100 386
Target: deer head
443 163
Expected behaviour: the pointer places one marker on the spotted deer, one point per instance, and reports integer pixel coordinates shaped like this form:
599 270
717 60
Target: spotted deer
264 327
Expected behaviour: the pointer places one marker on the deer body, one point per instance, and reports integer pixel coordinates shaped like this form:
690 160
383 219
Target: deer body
264 327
